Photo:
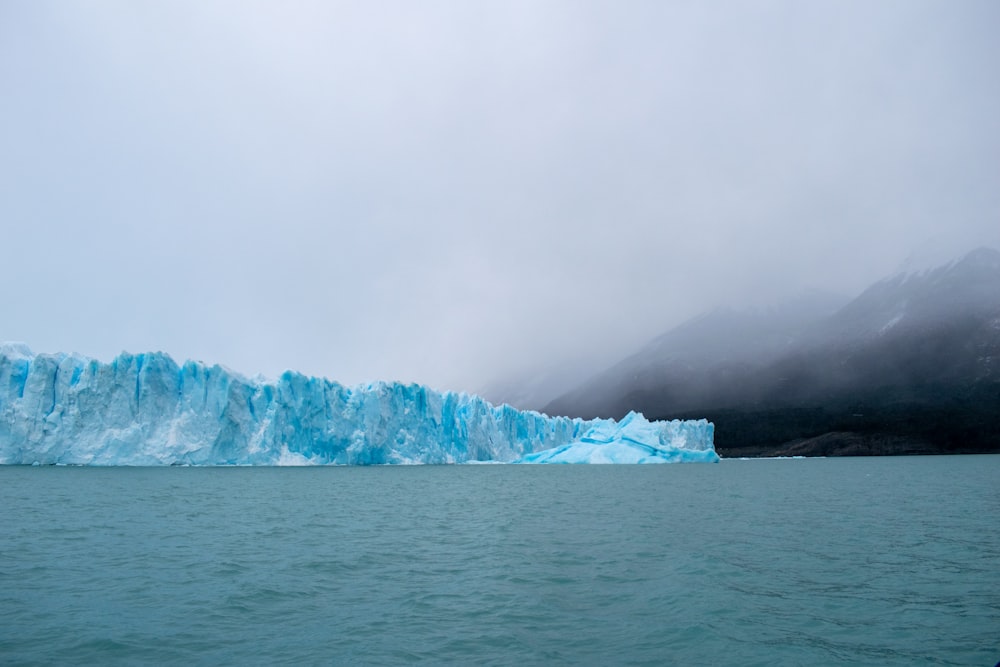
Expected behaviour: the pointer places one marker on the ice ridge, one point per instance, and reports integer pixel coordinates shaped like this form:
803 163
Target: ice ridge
145 409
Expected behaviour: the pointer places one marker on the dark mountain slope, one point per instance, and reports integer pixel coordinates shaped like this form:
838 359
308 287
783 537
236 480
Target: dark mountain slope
701 360
911 365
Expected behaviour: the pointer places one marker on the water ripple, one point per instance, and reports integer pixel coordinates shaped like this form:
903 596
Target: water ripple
857 561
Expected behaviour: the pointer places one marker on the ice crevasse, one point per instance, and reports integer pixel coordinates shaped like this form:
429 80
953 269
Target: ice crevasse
145 409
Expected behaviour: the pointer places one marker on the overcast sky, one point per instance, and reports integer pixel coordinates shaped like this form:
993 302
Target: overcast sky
448 192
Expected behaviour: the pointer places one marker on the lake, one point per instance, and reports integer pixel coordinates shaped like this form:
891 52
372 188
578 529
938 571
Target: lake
882 561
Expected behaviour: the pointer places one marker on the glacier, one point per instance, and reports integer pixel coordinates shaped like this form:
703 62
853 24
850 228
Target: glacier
145 409
635 440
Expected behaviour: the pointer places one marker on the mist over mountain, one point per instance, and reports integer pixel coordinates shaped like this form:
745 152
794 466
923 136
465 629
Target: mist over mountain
727 340
535 389
722 334
910 365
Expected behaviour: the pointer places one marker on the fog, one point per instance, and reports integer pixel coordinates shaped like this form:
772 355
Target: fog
455 192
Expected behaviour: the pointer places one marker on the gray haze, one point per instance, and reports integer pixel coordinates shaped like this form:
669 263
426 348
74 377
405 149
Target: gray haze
448 192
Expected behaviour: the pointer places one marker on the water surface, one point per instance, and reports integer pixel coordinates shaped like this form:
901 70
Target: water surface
819 561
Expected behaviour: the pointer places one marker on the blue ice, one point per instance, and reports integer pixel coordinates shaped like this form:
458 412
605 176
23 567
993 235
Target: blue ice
145 409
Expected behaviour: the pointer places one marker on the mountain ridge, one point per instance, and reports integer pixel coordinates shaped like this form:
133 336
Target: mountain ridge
912 345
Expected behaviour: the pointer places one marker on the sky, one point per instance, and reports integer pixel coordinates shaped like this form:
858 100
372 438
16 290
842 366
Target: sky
456 192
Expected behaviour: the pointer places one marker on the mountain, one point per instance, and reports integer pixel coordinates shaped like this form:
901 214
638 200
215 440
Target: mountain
700 356
910 365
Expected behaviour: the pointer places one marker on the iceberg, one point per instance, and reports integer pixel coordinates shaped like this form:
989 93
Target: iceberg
145 409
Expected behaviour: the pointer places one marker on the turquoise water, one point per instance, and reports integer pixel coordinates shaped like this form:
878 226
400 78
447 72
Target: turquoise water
890 561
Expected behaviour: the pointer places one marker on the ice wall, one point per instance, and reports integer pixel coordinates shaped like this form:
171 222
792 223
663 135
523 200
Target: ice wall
635 440
145 409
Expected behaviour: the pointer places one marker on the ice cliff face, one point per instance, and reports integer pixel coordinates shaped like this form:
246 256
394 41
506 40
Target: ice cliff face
635 440
145 409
